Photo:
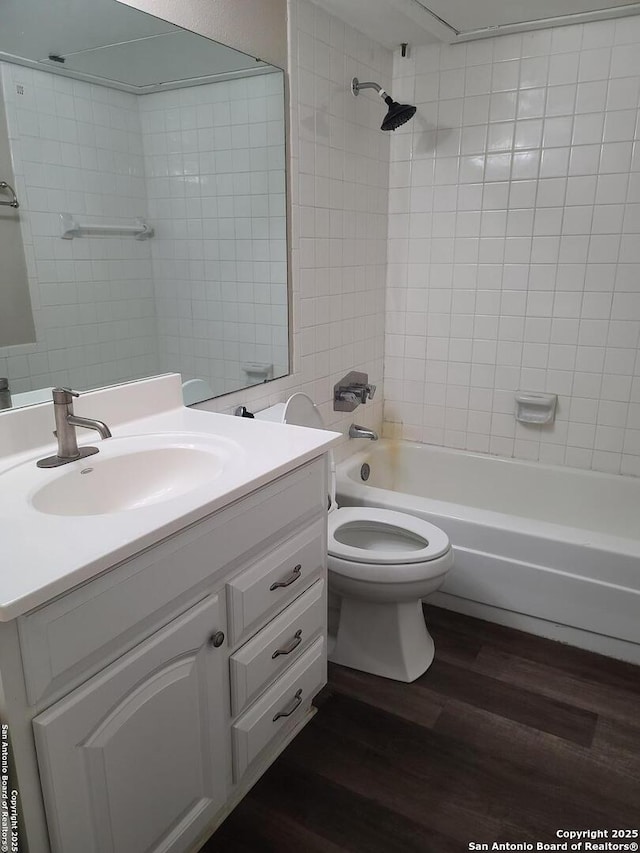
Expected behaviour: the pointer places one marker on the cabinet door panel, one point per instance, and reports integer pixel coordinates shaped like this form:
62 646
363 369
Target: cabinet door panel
136 759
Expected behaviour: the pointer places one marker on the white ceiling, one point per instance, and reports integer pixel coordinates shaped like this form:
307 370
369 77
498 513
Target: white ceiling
392 22
464 15
111 43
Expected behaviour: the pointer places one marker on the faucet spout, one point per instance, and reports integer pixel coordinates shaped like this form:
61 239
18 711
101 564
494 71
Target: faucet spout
89 423
66 420
356 431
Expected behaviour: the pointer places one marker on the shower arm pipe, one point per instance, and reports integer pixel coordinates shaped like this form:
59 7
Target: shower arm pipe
356 85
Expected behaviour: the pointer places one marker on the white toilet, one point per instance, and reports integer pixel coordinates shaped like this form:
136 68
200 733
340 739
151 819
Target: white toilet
381 564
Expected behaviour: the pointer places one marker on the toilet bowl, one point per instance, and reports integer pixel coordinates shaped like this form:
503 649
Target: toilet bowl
381 564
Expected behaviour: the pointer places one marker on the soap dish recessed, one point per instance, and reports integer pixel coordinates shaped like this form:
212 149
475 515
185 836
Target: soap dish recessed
535 408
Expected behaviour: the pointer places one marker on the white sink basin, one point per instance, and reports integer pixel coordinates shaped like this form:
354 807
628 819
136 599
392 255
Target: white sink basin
126 474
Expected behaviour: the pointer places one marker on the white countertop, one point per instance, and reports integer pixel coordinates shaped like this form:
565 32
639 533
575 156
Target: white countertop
46 555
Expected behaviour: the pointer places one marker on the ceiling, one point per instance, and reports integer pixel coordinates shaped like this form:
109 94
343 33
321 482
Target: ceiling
107 42
392 22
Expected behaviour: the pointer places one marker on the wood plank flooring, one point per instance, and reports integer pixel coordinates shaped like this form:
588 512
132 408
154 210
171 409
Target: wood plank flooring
507 737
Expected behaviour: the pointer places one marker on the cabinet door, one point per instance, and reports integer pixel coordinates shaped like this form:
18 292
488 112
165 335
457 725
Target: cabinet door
137 759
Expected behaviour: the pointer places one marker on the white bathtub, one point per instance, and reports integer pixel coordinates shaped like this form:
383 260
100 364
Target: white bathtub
554 551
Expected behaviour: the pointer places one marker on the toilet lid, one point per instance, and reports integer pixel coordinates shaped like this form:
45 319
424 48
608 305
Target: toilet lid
365 534
300 410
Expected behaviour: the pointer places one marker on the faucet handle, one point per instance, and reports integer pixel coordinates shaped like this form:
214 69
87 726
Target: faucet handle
64 395
348 395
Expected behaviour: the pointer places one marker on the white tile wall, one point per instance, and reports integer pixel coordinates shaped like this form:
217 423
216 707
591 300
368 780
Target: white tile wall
339 189
77 149
514 245
215 166
341 162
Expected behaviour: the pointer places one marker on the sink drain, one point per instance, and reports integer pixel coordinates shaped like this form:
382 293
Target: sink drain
365 471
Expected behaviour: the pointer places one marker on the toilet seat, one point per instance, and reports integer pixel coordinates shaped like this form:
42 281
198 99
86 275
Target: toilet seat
410 540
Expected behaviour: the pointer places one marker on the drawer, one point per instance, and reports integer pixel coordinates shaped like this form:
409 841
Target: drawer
73 637
281 708
277 646
270 584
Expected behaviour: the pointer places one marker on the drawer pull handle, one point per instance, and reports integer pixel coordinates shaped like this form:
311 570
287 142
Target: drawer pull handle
295 642
295 574
288 710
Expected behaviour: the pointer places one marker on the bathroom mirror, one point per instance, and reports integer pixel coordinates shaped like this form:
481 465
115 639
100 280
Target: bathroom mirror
149 165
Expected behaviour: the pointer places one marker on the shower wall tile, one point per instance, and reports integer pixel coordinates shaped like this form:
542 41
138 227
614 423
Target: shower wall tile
339 173
514 245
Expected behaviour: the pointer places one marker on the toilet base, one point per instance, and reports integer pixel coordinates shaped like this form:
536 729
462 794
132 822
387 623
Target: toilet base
387 639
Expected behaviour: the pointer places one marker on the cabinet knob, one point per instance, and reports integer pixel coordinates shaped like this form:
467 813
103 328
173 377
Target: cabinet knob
217 639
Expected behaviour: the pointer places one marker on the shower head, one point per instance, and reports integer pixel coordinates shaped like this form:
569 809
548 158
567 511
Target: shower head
397 115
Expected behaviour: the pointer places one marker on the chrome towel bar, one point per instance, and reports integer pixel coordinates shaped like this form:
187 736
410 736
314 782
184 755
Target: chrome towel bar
70 229
14 201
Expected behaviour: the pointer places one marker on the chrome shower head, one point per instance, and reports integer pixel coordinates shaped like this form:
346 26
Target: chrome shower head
397 114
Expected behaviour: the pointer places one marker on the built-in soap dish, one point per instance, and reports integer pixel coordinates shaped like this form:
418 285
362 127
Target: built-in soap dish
257 372
535 408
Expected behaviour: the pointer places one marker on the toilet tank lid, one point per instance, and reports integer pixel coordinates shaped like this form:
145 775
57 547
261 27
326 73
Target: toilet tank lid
299 410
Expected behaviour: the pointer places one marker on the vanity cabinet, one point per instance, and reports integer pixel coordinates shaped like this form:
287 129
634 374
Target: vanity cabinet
157 693
136 758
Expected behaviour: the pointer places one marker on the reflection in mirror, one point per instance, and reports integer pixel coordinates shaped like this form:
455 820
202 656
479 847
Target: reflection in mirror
150 167
16 316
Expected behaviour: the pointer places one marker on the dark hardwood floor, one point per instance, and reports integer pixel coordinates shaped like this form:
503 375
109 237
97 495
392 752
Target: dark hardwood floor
507 737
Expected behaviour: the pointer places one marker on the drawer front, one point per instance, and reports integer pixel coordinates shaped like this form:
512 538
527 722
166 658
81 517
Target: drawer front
270 584
66 641
281 708
277 646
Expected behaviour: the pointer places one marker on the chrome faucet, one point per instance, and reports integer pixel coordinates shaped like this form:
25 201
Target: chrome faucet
356 431
66 421
352 390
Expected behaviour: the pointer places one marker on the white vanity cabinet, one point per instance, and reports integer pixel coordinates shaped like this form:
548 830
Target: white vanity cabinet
157 693
136 758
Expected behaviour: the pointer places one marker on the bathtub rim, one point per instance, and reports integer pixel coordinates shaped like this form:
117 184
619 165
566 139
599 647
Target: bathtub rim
350 486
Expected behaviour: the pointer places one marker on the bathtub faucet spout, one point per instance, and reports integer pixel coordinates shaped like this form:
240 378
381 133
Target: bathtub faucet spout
356 431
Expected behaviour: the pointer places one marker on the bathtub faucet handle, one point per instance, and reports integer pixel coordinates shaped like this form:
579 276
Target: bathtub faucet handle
359 393
349 397
352 390
368 391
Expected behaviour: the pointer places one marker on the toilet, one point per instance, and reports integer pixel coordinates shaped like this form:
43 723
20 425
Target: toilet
195 391
381 564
